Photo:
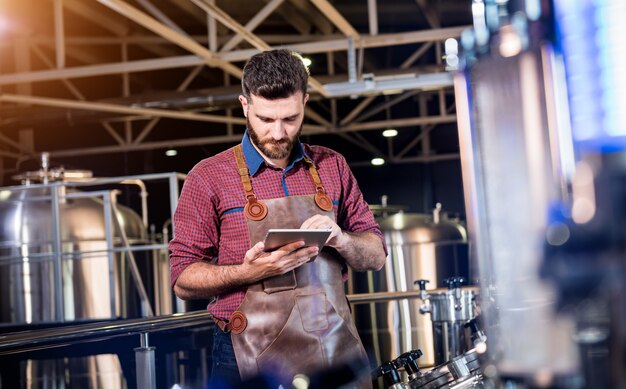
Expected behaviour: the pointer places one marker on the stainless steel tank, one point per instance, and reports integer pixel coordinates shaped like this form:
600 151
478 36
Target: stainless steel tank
420 246
64 258
91 289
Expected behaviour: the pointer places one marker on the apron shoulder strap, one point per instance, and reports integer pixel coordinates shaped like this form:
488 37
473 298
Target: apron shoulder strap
321 198
255 209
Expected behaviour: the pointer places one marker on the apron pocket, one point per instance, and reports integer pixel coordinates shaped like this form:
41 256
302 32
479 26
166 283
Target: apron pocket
280 283
293 351
313 311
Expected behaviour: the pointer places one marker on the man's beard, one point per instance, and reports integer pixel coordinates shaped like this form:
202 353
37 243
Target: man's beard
272 148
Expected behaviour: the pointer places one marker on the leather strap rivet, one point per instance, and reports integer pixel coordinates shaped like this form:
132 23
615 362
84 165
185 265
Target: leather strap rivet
323 201
255 210
238 322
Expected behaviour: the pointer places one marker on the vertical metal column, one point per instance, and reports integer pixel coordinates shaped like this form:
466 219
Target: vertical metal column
173 186
134 270
108 233
59 310
144 364
352 76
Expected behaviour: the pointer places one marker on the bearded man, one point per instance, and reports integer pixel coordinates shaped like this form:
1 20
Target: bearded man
283 312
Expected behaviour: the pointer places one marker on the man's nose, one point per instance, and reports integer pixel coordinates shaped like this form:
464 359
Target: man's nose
278 130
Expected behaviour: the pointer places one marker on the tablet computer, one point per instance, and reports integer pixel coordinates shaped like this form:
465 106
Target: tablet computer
276 238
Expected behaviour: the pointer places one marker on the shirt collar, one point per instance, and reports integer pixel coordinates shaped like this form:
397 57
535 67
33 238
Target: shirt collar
254 160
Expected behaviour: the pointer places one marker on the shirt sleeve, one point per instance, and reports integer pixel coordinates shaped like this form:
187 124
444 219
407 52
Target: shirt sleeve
354 214
195 227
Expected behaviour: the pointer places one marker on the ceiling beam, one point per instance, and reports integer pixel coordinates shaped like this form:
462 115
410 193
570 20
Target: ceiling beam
336 18
101 70
431 16
190 9
251 38
310 12
220 139
163 18
16 145
239 55
144 39
231 23
101 19
9 154
183 41
418 159
96 16
252 24
390 84
369 41
383 106
397 123
116 108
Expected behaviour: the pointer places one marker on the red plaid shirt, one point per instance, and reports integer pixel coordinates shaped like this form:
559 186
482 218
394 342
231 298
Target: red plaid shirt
209 224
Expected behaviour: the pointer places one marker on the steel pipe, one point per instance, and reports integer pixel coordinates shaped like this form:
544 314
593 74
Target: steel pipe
23 341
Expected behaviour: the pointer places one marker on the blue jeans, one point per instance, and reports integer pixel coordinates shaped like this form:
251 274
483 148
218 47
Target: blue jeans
224 370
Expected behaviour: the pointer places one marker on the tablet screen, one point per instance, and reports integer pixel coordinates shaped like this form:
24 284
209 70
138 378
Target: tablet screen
276 238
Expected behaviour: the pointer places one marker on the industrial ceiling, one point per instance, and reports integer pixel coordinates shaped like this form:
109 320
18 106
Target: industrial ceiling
88 80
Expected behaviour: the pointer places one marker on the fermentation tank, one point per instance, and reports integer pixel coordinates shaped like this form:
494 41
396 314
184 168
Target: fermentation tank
65 256
27 267
420 246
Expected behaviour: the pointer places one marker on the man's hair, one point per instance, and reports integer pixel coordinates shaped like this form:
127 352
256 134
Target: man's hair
274 74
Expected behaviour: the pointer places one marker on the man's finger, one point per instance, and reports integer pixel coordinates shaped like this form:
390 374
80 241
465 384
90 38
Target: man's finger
258 250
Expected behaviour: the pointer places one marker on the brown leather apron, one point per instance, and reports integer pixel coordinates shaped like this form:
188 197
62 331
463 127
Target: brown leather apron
298 322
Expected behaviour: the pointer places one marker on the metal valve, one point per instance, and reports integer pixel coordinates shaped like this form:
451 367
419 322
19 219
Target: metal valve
390 374
422 286
408 360
425 308
454 284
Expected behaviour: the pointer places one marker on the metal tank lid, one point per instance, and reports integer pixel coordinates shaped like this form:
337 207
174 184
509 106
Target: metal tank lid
46 174
424 228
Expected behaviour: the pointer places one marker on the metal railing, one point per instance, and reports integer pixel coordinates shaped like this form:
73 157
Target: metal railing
48 338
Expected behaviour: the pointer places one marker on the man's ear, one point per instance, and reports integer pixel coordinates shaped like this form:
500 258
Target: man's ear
306 98
244 105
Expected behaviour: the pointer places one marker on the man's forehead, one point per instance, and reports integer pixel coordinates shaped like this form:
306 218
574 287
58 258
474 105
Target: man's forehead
298 96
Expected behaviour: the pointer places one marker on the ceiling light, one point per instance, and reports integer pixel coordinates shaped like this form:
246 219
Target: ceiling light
378 161
390 133
307 61
171 152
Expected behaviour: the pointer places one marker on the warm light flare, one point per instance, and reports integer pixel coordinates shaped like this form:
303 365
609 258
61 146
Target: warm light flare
4 22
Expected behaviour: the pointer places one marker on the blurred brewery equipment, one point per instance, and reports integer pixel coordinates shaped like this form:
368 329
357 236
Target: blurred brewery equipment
421 246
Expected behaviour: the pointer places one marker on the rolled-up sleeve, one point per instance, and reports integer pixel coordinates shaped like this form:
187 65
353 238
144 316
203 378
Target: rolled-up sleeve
354 214
195 227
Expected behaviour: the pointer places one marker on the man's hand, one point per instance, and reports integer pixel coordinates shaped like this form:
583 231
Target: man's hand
361 250
337 237
259 264
203 280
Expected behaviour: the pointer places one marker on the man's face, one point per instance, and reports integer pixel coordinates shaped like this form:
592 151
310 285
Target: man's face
274 125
